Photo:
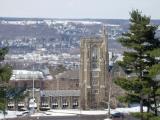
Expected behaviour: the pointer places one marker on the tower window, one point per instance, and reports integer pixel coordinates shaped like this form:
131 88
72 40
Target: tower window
95 57
95 74
94 82
95 91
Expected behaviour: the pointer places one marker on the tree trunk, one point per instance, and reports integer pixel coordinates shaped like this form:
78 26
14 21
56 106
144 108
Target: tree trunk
155 106
16 104
141 107
148 104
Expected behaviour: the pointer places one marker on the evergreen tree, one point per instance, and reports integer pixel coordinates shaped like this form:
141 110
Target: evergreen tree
16 95
5 73
140 59
154 73
7 92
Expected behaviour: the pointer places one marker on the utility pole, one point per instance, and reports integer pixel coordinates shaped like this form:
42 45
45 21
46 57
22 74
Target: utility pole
33 82
111 70
109 95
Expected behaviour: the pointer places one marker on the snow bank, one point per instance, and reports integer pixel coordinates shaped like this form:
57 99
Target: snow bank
82 112
48 113
73 112
129 110
10 114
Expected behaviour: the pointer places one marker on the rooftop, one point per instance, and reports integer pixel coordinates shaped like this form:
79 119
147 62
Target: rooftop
56 93
26 75
70 74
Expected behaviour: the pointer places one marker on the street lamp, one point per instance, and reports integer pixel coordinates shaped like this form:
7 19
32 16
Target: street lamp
32 103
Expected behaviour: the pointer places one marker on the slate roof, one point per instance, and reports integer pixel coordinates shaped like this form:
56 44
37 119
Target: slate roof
70 74
56 93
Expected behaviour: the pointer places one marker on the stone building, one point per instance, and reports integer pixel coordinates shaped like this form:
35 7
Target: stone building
93 71
63 92
60 92
85 88
25 79
59 99
67 80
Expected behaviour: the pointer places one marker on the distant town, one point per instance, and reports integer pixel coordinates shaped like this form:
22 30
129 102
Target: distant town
64 63
46 41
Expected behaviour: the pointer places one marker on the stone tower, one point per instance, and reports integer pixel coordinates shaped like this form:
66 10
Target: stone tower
93 71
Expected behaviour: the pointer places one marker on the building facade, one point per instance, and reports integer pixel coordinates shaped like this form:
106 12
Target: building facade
59 99
86 88
62 92
93 72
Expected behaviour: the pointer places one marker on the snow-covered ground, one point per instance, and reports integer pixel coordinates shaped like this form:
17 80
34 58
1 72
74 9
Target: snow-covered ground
11 114
72 112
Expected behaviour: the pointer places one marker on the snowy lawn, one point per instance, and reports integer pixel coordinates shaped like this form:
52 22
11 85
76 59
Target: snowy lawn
11 114
72 112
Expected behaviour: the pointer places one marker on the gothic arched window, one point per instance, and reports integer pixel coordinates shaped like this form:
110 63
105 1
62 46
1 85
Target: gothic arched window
95 57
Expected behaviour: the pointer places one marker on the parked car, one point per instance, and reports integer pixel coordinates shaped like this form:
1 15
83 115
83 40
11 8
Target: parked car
117 115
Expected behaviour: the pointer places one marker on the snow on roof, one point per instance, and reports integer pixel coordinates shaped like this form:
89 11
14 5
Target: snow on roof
26 75
65 22
49 77
113 25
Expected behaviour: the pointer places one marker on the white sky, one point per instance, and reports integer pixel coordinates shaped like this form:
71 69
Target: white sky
78 8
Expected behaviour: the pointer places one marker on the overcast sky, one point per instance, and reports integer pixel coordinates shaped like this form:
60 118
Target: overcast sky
78 8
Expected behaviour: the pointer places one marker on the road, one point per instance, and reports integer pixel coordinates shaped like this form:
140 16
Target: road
89 117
